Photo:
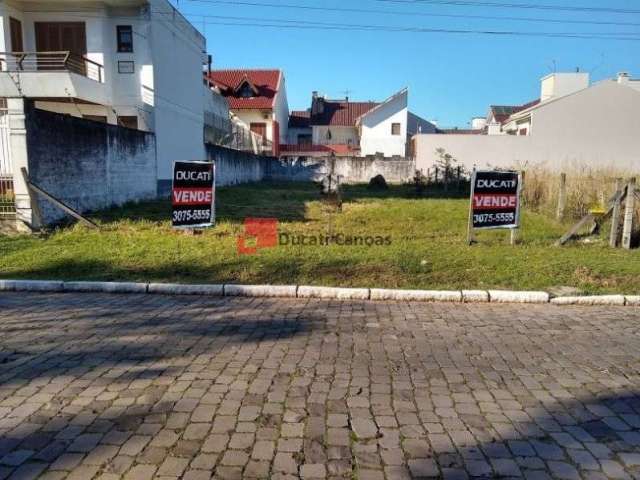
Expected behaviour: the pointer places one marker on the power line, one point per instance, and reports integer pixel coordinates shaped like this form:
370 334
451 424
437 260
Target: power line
305 24
530 6
411 14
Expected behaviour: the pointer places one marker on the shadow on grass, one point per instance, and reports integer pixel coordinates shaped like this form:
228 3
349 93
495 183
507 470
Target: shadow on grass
285 201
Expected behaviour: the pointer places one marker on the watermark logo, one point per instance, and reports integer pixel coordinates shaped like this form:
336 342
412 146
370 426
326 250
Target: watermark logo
262 233
258 233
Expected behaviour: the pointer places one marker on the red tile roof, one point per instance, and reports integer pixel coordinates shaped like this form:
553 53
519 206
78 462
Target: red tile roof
502 112
338 149
341 113
267 83
299 119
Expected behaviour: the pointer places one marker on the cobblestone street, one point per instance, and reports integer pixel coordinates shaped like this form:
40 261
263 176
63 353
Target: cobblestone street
145 386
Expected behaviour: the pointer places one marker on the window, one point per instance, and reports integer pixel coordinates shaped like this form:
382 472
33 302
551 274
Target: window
16 35
395 129
126 66
246 91
125 38
304 139
523 131
128 122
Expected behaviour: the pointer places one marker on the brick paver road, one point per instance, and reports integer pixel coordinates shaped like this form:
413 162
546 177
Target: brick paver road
140 387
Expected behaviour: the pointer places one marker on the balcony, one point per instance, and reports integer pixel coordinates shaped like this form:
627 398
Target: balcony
51 76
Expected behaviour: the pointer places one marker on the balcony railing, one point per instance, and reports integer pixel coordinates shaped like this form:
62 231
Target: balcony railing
51 61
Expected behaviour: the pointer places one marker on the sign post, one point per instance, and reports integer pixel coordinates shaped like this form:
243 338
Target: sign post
193 195
495 200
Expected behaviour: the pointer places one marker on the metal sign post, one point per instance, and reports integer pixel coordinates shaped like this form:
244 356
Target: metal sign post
495 201
193 195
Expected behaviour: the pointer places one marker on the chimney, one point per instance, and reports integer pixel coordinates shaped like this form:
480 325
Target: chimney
623 77
558 85
317 104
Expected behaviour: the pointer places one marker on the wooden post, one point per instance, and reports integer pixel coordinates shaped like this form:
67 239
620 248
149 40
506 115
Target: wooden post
629 207
436 176
470 234
514 231
562 197
615 215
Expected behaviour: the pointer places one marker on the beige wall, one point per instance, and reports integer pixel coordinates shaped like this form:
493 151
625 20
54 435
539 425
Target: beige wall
597 128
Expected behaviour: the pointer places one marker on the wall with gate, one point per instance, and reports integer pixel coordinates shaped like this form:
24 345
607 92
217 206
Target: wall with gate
88 165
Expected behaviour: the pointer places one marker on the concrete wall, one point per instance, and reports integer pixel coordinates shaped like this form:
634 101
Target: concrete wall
88 165
597 128
234 166
281 109
351 169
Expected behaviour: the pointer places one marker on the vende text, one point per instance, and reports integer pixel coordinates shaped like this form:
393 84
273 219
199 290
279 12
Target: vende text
192 196
494 202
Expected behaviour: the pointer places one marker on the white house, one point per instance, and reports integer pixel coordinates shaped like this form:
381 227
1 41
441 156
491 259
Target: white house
134 63
572 126
258 98
345 127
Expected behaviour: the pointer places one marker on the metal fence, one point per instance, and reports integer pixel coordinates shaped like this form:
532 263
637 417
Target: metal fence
51 61
222 131
7 202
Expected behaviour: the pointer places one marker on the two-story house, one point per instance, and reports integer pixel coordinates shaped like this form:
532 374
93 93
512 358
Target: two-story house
258 98
345 127
133 63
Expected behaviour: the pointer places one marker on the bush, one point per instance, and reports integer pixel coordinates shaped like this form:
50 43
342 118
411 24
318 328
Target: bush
378 183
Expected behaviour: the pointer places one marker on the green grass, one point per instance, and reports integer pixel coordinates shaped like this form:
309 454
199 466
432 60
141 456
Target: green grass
428 246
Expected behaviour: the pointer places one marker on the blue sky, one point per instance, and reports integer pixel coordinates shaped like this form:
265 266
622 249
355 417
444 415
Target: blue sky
451 77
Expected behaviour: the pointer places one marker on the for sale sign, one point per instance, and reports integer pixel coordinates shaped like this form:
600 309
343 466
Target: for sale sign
192 195
495 199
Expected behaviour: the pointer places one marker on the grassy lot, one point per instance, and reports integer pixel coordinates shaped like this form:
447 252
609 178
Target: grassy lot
427 250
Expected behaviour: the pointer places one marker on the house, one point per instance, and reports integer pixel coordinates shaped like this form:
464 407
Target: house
259 99
345 127
573 125
113 61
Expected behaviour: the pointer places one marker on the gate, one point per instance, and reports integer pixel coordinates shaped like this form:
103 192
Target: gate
7 199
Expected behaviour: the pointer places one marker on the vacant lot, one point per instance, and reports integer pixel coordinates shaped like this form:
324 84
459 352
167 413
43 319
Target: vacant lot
427 246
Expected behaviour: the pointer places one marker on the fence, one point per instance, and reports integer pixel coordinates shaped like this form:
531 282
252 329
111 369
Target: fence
7 202
225 133
51 61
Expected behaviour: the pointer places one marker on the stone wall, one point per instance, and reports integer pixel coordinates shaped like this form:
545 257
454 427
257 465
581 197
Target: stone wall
88 165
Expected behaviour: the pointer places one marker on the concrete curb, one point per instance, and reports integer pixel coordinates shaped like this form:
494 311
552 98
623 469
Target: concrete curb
308 291
260 291
178 289
507 296
632 300
333 292
31 285
416 295
106 287
590 300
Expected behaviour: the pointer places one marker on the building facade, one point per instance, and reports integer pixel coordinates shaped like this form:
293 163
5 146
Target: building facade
258 98
113 62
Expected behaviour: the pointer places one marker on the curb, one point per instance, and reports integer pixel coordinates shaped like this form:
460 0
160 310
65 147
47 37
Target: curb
308 291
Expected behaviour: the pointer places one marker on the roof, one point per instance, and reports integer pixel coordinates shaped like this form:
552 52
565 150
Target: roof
338 149
501 113
299 119
265 83
379 105
341 113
